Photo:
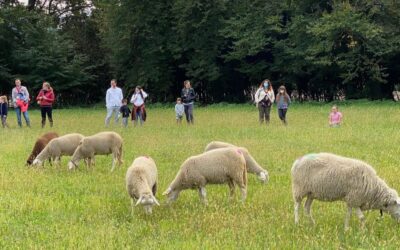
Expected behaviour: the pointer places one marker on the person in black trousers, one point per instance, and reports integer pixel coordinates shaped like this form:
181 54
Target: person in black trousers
188 96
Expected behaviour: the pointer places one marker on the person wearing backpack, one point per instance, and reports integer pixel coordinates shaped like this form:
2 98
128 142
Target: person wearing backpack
45 99
138 115
264 98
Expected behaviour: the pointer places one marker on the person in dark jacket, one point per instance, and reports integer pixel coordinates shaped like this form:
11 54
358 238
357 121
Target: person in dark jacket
188 96
45 100
283 101
4 111
125 111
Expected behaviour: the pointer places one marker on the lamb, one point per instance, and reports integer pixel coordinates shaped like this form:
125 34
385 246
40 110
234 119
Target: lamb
141 182
63 145
224 165
251 164
40 144
329 177
102 143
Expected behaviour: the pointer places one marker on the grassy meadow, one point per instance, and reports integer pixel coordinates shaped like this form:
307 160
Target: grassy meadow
53 208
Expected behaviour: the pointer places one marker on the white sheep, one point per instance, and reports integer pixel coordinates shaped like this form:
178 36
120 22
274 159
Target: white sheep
102 143
57 147
251 164
224 165
329 177
141 183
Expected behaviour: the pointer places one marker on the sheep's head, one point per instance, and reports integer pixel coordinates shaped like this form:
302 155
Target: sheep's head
172 194
393 206
147 201
37 162
72 165
263 176
29 162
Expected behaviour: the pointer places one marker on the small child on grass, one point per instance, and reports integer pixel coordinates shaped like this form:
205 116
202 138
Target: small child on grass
125 111
179 110
335 117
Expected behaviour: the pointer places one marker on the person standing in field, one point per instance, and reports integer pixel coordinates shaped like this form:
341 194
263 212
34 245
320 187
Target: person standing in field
4 111
125 111
20 98
113 102
283 101
188 96
335 117
45 100
264 98
138 110
179 110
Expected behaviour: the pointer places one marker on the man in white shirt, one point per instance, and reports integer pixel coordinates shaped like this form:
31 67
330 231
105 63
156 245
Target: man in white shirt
114 98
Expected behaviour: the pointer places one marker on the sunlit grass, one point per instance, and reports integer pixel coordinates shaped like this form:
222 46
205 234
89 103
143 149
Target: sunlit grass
55 208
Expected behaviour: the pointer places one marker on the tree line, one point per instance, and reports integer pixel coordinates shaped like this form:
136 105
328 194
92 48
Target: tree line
319 49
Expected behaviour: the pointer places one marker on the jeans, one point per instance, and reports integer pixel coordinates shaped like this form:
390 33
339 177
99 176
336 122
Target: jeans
49 112
125 121
282 115
110 111
263 113
4 121
189 113
26 117
139 119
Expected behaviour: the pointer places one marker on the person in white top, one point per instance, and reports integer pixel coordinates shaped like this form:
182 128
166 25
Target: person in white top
114 98
264 98
138 110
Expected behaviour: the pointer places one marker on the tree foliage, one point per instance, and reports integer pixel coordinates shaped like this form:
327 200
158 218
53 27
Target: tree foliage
319 48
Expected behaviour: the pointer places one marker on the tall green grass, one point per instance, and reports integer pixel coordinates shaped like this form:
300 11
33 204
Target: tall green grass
53 208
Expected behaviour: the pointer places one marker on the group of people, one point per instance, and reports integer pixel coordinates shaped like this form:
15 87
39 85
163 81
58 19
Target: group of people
265 97
21 99
118 105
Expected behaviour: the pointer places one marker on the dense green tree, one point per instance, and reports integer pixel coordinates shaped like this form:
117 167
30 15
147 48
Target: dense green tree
319 48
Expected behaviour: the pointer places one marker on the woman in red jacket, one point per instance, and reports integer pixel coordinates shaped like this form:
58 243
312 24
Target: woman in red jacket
45 99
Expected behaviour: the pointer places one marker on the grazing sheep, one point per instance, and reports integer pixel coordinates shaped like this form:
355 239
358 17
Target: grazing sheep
40 144
251 164
63 145
224 165
329 177
102 143
141 182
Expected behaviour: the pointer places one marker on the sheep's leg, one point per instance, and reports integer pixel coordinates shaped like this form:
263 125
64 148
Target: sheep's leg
203 194
56 160
297 205
243 188
132 206
113 163
307 208
360 216
231 185
347 219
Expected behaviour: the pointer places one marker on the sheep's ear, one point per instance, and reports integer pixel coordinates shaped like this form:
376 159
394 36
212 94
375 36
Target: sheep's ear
155 200
139 200
168 191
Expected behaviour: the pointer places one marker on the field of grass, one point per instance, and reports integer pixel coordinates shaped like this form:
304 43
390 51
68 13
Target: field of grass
53 208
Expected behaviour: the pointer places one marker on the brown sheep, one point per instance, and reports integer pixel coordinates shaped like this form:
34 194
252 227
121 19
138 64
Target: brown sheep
40 144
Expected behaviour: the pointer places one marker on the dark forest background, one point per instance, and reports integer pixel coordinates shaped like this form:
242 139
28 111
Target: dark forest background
319 49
